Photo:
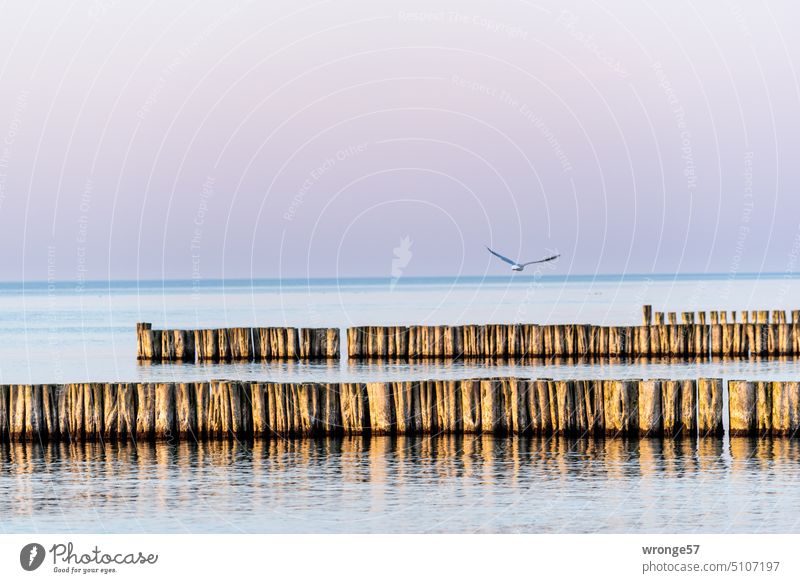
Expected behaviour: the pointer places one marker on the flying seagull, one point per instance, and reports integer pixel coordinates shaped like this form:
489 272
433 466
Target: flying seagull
520 266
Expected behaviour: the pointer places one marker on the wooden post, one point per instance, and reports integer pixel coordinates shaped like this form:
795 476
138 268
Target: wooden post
448 403
670 407
50 426
164 411
354 410
689 408
539 407
210 345
5 407
224 344
493 407
647 314
709 407
381 408
742 407
785 408
520 421
716 339
93 410
784 339
330 420
728 339
202 397
583 406
650 408
406 406
241 409
621 407
111 421
596 416
17 412
186 410
471 405
259 404
565 407
429 423
168 345
308 401
145 411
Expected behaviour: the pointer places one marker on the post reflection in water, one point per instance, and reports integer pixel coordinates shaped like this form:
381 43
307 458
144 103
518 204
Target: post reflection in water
450 483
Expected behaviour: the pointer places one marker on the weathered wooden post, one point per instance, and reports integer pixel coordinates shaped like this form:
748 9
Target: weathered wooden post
493 407
565 408
145 411
763 407
689 407
330 407
354 408
5 426
621 407
709 406
471 405
406 406
716 339
448 403
650 408
785 408
185 410
647 314
93 410
429 422
381 408
223 345
164 410
520 418
742 407
202 396
539 407
670 407
308 401
210 345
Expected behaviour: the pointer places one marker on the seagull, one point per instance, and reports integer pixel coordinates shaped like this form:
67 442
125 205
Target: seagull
520 266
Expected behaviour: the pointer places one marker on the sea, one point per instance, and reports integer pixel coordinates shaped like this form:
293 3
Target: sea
59 332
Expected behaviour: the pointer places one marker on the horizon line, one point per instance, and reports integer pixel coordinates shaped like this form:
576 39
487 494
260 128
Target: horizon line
400 280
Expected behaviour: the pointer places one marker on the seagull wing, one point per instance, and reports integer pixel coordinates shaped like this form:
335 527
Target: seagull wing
545 260
506 259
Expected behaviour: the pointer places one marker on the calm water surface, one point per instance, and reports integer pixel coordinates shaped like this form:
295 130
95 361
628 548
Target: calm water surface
404 484
64 333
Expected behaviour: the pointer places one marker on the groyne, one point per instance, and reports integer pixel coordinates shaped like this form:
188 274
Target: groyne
698 335
503 406
235 344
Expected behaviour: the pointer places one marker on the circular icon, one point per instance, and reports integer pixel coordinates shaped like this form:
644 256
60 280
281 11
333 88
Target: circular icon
31 556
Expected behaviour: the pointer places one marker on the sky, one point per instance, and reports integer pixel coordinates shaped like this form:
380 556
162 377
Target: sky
184 140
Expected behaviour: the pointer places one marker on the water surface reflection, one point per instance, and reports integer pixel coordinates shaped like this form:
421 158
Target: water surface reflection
404 484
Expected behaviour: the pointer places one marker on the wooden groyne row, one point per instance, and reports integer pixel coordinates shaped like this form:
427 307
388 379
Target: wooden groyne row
764 407
221 409
235 344
697 336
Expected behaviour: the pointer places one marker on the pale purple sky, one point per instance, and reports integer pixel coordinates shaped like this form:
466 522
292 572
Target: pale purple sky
295 138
